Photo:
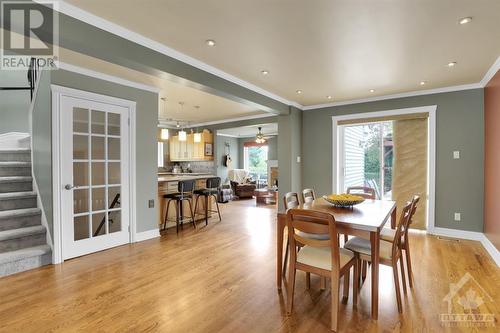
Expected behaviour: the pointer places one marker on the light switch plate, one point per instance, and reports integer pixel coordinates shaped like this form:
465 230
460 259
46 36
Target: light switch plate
456 154
458 217
298 159
151 203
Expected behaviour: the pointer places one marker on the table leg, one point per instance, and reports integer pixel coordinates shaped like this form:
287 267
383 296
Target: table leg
393 219
280 228
375 247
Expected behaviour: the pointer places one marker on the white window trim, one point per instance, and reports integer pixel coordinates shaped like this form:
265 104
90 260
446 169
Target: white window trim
431 160
57 93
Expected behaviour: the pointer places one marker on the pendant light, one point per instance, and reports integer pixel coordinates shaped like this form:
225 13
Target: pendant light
259 138
164 131
182 133
197 136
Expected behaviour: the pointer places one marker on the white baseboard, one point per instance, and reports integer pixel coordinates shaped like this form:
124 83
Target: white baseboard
145 235
469 235
491 249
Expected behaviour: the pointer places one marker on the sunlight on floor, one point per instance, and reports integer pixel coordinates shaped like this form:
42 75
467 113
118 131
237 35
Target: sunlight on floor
258 227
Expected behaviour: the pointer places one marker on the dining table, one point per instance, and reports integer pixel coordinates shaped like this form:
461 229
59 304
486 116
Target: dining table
364 220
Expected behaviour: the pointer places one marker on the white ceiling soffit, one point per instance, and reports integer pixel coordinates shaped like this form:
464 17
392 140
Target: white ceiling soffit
269 129
442 21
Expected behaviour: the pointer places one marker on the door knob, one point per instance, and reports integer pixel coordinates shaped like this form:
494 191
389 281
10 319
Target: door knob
69 186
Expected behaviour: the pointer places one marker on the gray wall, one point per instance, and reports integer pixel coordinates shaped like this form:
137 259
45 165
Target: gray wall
459 183
220 153
14 104
146 144
42 145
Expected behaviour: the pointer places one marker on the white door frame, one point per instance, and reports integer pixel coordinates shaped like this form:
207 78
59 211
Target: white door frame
57 93
431 151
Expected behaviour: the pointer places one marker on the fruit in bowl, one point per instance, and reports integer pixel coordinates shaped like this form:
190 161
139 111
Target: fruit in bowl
343 200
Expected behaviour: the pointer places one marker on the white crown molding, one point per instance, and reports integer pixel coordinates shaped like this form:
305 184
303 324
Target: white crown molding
228 135
123 32
106 77
230 120
491 72
244 136
394 96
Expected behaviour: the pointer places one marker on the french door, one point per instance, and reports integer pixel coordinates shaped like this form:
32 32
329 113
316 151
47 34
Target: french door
94 176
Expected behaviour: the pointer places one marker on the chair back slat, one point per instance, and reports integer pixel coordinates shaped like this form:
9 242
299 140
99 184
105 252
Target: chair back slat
291 200
308 195
213 183
362 191
402 228
310 221
185 186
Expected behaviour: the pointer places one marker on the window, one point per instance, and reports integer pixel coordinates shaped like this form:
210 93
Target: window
160 155
255 161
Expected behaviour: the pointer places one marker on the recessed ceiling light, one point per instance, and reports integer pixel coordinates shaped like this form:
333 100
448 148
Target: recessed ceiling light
210 42
264 72
452 64
299 91
465 20
372 90
329 97
422 83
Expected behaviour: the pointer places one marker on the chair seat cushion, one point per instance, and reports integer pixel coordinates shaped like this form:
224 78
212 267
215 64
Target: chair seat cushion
363 246
321 257
206 191
313 236
178 196
388 234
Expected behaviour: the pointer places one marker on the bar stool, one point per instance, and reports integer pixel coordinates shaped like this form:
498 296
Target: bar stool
185 193
211 190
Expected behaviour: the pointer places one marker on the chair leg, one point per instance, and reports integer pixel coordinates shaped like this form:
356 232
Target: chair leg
322 283
346 238
364 266
285 262
196 205
191 211
166 215
396 285
291 287
408 265
335 303
345 297
217 204
355 284
402 267
308 280
206 209
177 215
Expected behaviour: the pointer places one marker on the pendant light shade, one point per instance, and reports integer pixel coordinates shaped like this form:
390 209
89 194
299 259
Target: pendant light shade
197 137
164 134
182 135
259 138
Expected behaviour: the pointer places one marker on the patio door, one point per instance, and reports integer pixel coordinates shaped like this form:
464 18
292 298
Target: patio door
94 147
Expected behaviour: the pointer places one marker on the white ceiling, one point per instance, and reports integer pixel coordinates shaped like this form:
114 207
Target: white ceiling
249 131
341 48
212 107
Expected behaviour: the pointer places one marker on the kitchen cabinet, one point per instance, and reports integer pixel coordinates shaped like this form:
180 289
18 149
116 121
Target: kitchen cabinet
189 150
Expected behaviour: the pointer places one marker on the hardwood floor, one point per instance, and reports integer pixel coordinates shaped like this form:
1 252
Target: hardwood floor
206 281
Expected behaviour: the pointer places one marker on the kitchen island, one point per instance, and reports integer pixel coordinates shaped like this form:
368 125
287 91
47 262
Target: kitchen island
167 184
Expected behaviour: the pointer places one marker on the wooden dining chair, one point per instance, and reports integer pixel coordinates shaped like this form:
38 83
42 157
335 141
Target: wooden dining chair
390 234
308 195
390 252
322 257
362 191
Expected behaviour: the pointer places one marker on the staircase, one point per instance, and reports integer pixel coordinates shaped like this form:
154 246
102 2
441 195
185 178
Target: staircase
23 243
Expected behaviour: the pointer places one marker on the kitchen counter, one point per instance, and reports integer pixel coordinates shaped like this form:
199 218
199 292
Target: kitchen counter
182 176
166 173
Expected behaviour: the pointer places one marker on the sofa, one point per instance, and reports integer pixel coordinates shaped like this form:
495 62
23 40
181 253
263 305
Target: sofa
241 183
